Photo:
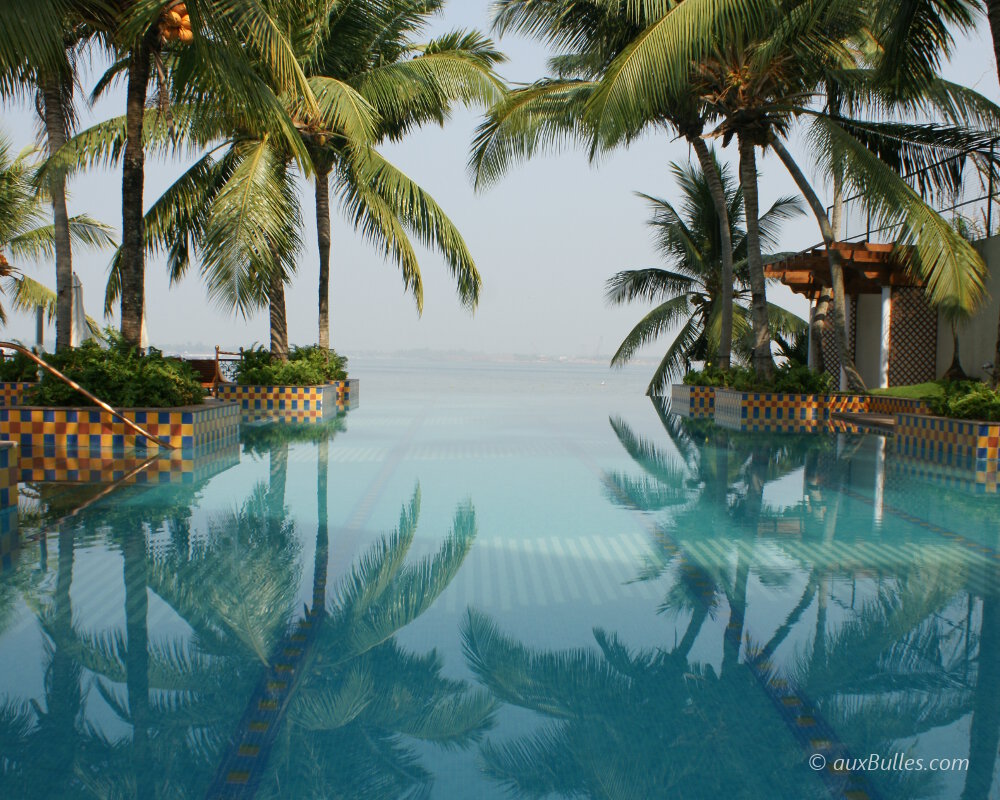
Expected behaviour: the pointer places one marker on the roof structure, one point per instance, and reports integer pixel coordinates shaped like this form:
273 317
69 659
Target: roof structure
868 268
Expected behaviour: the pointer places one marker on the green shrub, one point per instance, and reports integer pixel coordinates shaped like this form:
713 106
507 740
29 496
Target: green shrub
19 369
967 400
120 376
790 377
306 366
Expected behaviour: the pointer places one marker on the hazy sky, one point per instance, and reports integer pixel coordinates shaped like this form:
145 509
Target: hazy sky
545 239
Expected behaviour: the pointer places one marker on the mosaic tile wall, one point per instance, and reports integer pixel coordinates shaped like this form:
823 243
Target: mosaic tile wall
94 431
8 475
12 393
9 539
175 466
348 391
915 323
770 412
959 444
261 399
896 405
694 402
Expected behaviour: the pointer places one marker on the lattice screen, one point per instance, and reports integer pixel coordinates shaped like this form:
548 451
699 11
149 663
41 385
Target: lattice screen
913 338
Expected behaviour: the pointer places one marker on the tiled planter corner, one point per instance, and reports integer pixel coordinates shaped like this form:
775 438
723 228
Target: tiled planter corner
968 446
291 402
12 392
173 467
770 412
40 430
694 402
879 404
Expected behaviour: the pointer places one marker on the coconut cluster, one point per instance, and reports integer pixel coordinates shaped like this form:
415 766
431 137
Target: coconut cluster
175 25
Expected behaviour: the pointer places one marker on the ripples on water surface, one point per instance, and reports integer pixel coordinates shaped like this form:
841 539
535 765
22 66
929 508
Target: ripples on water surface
505 581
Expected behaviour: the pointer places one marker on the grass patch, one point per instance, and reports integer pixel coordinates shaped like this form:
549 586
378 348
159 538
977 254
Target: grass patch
915 391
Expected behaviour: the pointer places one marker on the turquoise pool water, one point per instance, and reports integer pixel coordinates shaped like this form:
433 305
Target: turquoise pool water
516 581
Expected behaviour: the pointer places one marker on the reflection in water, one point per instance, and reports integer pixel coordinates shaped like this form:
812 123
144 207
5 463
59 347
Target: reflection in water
886 640
153 709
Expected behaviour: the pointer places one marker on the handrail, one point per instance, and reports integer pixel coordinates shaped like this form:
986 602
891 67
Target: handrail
74 385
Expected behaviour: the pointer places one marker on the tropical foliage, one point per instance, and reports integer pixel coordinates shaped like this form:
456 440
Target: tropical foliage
306 366
119 374
790 377
25 234
689 293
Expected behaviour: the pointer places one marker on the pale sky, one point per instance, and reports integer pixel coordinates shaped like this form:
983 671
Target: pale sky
545 239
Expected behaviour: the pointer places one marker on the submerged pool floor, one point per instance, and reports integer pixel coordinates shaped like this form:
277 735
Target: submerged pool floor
506 582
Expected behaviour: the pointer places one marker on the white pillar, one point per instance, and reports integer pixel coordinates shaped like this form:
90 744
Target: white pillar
883 361
811 361
879 504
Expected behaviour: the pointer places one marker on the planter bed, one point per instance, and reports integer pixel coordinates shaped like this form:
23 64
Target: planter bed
89 430
174 467
261 401
12 392
693 402
967 445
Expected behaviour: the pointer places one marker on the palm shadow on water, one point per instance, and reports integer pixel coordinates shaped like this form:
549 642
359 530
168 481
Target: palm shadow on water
149 709
911 650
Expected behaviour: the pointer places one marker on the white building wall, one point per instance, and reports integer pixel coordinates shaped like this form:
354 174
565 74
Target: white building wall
978 337
868 343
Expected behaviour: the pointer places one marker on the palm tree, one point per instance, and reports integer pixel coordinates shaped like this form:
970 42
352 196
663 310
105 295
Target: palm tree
239 210
26 235
759 76
370 46
692 291
590 35
231 56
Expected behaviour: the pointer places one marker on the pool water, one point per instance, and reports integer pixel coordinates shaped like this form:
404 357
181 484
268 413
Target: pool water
506 581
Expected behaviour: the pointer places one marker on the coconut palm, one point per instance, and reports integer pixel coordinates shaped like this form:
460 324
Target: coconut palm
372 47
26 235
691 291
239 210
588 36
760 80
219 57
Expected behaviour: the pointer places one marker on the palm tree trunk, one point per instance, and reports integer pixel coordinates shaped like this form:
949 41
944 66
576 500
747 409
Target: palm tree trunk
324 236
55 94
133 267
137 656
277 480
993 13
855 383
322 528
279 318
714 181
762 360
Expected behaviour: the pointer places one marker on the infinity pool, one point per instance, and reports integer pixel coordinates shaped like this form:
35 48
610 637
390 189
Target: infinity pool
519 581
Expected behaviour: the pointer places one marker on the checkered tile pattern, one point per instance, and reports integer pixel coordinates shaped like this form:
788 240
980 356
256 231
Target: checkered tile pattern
913 337
694 402
259 399
847 403
8 475
176 467
12 394
979 482
896 405
348 391
94 431
769 412
969 446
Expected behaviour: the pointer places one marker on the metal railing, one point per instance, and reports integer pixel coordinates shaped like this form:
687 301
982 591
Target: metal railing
975 204
138 430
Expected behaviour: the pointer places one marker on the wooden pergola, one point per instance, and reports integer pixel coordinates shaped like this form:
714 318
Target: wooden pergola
868 269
